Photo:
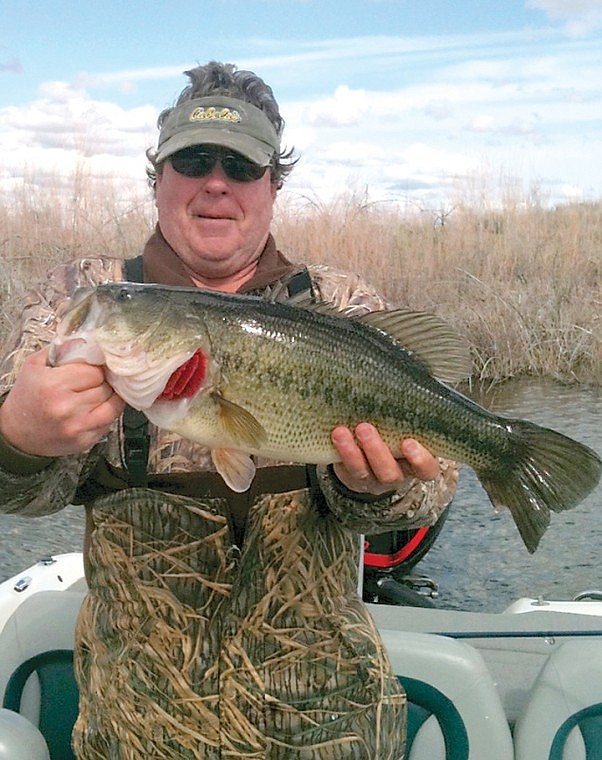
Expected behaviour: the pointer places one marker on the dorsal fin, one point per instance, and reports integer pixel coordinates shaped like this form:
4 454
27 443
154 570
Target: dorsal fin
444 352
428 337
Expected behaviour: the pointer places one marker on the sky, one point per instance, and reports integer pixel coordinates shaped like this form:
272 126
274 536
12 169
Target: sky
391 100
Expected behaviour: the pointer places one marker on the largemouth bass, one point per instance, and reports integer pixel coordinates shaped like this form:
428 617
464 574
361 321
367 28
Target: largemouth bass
245 376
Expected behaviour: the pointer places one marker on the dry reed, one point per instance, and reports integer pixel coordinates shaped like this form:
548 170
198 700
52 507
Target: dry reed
41 228
523 282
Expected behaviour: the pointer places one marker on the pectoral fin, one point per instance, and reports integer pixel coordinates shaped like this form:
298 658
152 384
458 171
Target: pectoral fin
236 468
239 425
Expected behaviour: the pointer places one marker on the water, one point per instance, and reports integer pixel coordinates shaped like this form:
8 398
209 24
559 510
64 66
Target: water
479 560
25 540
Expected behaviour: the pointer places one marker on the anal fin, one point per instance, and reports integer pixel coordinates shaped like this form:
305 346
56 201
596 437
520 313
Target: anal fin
236 468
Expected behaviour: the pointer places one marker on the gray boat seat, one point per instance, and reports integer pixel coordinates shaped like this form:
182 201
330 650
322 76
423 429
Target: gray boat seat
562 719
20 739
454 709
36 667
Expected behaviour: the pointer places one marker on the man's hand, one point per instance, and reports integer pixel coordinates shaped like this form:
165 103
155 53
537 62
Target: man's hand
368 466
55 411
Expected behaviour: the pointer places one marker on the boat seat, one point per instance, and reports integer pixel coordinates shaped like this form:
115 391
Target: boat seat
36 667
454 709
20 739
562 719
58 698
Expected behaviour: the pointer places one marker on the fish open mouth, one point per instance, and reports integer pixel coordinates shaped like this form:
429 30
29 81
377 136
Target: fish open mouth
73 341
90 332
74 350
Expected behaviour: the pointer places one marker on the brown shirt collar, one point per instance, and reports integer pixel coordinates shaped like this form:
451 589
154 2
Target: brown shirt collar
162 265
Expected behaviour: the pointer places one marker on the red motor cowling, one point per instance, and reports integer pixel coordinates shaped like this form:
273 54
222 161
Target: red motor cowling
388 561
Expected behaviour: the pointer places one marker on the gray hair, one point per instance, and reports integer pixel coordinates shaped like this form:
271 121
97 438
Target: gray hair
226 79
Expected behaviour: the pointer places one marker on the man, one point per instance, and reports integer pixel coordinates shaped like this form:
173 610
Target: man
217 625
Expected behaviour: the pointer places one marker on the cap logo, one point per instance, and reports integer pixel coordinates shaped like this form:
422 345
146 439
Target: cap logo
215 114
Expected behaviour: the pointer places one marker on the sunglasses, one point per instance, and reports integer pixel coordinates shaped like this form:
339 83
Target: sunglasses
192 162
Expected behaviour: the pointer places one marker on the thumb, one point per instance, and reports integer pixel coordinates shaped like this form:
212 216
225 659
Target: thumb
39 358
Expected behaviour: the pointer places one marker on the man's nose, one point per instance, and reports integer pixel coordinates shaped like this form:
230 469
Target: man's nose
217 180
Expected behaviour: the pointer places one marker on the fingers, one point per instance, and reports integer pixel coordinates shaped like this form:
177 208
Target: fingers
39 358
77 376
352 457
102 415
54 411
378 456
368 466
85 411
422 463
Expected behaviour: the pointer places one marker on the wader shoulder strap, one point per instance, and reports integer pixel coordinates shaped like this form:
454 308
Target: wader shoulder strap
132 269
136 437
300 284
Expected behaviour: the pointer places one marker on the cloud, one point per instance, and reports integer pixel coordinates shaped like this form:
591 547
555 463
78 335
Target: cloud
345 108
572 193
439 109
65 130
487 123
12 66
352 55
127 79
582 16
566 8
389 113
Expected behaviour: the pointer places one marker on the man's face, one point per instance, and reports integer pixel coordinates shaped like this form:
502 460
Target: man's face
216 225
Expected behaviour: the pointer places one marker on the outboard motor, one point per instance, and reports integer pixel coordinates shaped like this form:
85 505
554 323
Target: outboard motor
388 562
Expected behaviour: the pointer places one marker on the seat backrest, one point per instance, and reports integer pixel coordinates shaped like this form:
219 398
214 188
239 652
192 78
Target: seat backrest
562 719
427 702
36 665
454 710
59 697
589 724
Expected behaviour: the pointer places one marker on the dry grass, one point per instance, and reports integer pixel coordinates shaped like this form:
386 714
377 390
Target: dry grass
522 282
42 228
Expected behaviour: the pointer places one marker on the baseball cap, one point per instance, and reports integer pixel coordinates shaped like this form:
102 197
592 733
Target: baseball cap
219 120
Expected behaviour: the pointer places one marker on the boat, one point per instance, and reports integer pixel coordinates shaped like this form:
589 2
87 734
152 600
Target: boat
521 684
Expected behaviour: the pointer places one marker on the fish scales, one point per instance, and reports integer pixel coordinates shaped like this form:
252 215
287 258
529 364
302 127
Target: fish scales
312 375
289 381
391 390
277 379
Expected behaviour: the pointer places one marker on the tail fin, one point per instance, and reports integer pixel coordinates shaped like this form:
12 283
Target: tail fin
550 472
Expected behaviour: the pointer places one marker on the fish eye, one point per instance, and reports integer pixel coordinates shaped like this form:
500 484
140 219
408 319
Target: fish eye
124 294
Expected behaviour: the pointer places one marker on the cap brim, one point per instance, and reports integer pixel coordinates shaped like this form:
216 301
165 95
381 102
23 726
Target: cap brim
253 149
